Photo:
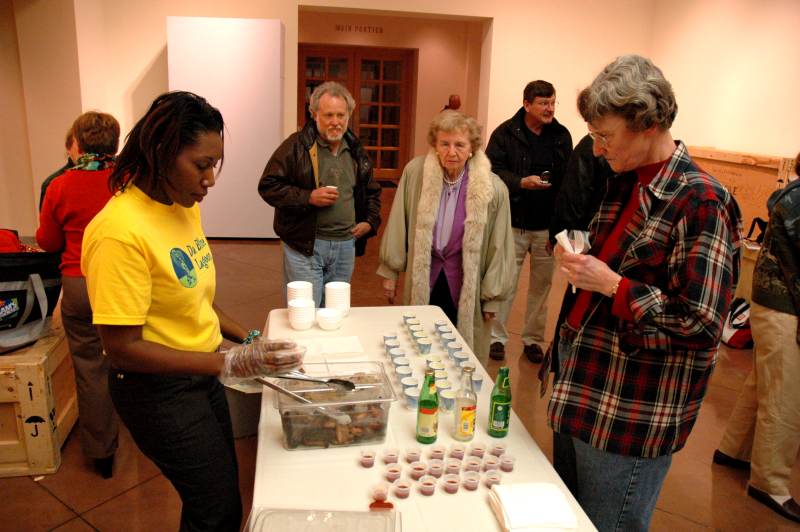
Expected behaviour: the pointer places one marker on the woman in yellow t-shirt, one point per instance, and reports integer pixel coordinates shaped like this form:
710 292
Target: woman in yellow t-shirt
151 281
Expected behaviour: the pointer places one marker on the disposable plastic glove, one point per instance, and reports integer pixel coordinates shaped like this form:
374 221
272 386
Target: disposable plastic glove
262 357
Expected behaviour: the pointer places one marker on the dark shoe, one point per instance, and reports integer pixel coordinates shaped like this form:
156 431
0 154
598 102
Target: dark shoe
534 353
497 351
729 461
790 509
104 466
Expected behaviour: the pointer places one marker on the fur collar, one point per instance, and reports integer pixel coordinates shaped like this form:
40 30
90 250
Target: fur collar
480 192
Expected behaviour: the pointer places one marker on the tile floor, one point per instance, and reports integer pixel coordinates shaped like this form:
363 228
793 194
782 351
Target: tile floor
697 495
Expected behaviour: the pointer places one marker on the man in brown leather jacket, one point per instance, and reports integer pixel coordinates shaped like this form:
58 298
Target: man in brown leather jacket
327 203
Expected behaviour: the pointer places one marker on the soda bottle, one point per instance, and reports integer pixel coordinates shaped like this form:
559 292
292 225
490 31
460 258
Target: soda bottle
500 407
466 404
428 411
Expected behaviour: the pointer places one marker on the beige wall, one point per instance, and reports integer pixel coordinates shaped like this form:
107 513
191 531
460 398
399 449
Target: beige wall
448 62
735 68
17 209
733 62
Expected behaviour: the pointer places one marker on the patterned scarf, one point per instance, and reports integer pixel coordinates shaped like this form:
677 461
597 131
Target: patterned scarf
94 161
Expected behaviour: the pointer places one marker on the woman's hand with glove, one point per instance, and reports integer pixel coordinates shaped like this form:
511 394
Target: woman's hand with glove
262 358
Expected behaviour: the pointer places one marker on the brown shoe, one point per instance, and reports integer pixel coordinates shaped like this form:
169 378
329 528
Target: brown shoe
497 351
534 353
790 509
729 461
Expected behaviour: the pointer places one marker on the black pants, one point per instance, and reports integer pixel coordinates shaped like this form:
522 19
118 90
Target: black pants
183 425
440 297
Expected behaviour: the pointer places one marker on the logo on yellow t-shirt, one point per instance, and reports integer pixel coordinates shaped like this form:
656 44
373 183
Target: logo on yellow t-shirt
184 270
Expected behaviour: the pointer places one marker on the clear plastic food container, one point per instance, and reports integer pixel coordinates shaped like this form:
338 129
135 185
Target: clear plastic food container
336 417
263 520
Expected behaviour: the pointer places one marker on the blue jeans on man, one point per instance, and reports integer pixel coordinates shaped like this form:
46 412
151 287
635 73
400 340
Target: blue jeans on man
333 260
618 493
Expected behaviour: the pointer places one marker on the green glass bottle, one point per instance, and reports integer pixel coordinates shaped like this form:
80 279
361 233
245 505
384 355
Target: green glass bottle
428 410
500 407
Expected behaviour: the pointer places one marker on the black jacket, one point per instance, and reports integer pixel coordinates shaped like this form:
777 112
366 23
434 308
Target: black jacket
582 189
511 156
289 178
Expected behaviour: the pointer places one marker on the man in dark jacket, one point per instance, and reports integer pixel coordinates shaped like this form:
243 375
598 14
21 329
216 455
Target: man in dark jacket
529 152
326 202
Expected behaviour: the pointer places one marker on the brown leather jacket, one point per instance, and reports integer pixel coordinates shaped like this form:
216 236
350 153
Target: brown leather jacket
292 173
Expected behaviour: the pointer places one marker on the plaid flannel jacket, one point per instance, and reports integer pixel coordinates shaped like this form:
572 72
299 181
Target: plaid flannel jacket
635 388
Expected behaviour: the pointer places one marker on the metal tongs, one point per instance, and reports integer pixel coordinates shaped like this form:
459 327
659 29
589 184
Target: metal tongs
342 419
298 376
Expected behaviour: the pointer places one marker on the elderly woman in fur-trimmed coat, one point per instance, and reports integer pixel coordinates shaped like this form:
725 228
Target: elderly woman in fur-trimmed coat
450 231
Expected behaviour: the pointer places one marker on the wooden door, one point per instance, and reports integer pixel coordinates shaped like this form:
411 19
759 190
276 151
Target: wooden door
382 81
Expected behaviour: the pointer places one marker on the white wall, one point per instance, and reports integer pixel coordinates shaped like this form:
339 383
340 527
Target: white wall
735 69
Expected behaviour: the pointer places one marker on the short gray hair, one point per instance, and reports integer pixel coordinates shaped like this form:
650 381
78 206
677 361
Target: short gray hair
633 88
333 89
449 121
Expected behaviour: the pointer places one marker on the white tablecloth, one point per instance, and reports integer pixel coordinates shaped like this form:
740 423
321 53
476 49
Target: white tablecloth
332 479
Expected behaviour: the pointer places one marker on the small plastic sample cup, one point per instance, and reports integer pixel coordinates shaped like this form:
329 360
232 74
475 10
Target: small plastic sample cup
491 462
507 463
498 449
409 316
380 492
444 329
424 345
478 449
413 454
440 375
403 372
409 382
393 472
459 357
442 385
418 470
471 480
397 352
430 359
492 478
402 488
389 336
390 456
452 347
438 451
427 485
477 382
447 338
473 463
401 361
391 344
457 451
451 483
448 397
439 323
435 467
412 321
412 397
419 335
436 366
452 466
416 328
367 458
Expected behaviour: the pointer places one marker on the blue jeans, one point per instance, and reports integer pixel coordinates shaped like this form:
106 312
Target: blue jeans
333 260
616 492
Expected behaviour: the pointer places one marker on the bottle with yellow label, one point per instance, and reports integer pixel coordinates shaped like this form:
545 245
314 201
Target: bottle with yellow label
428 411
466 404
500 407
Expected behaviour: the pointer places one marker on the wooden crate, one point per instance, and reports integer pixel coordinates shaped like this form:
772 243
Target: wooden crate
750 178
38 406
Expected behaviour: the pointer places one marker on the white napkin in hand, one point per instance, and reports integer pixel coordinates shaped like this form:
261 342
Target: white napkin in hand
531 506
563 239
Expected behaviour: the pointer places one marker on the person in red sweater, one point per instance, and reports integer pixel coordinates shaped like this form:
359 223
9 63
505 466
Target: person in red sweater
70 203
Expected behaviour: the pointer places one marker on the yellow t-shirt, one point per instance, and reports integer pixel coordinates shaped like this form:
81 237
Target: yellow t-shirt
149 264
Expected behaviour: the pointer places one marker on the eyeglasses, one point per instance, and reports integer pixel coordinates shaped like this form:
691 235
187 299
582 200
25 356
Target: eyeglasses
546 103
599 138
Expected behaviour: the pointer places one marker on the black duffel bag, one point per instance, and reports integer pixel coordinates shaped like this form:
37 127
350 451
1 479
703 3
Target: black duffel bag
30 283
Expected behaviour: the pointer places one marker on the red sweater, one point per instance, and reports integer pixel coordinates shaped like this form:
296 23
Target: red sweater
620 307
72 200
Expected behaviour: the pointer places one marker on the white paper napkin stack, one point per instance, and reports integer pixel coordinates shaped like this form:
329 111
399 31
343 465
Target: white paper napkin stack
531 506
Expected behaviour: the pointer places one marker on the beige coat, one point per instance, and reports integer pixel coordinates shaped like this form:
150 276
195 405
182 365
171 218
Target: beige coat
488 245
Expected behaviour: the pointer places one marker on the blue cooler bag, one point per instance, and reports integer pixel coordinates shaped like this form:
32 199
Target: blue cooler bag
30 283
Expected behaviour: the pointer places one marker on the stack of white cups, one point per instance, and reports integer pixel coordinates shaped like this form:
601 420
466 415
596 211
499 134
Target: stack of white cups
337 295
301 313
299 290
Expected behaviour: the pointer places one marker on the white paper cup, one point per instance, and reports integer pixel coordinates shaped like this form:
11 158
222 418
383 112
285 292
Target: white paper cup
299 290
477 382
452 347
389 336
424 345
397 352
444 329
448 399
408 316
403 372
412 397
401 361
337 295
459 357
409 382
391 344
416 328
436 366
